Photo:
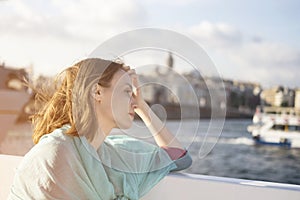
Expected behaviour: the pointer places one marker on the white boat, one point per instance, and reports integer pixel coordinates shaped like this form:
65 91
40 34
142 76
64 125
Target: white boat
276 126
185 186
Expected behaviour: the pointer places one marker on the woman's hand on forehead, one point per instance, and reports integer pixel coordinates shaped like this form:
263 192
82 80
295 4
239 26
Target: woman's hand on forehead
134 78
136 87
126 68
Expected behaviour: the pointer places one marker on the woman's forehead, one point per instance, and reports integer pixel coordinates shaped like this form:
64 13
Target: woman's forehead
121 77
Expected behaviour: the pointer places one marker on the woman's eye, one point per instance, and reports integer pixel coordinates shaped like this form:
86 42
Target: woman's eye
129 92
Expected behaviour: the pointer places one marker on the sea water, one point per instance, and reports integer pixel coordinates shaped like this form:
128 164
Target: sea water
229 151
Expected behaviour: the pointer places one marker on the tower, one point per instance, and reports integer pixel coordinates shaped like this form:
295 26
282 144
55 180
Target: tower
170 61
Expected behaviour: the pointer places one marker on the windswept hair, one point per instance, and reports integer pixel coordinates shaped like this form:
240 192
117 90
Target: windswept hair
69 100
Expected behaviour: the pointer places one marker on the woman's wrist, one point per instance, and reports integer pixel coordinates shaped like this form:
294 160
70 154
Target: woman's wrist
161 134
143 110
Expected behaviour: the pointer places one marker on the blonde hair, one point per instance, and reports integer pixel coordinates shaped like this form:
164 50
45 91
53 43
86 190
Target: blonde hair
70 102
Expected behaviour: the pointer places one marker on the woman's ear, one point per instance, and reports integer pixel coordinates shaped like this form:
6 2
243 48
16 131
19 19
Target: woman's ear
97 92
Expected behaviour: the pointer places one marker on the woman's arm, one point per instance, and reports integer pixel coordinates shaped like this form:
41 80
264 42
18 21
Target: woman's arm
162 136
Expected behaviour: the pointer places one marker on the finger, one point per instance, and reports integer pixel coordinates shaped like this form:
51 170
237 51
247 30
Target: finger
131 71
135 83
133 76
126 68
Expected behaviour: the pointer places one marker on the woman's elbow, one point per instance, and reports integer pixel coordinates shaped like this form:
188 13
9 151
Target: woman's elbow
183 162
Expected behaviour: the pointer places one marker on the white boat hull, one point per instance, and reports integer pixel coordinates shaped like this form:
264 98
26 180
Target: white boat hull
281 126
265 135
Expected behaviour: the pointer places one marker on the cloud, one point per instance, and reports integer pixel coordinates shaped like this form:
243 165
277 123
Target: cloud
271 54
71 19
170 2
54 34
248 57
269 63
219 35
100 17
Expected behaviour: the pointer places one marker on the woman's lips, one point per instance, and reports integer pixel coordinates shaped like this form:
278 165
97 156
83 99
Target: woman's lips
132 114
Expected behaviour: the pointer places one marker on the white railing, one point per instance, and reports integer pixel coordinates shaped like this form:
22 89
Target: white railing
185 186
8 165
190 186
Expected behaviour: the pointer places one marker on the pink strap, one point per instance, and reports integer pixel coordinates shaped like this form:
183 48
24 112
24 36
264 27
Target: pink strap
174 153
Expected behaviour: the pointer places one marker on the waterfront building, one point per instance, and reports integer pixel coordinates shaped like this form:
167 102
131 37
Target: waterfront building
278 96
297 98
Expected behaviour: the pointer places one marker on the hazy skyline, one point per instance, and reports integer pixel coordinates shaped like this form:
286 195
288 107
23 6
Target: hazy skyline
249 41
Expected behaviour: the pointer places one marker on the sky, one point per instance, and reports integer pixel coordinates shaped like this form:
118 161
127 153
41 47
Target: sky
255 40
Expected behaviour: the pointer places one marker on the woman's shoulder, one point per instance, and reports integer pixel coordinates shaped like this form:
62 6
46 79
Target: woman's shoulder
58 135
49 162
51 145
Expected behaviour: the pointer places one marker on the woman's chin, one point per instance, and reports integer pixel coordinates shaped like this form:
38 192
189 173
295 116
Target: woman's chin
125 125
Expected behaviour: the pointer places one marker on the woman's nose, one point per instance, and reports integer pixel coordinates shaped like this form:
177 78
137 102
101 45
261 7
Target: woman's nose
133 102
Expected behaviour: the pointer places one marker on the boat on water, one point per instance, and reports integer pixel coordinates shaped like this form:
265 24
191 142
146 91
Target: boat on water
276 126
13 98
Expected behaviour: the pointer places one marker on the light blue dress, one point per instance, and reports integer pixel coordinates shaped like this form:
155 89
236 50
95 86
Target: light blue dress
66 167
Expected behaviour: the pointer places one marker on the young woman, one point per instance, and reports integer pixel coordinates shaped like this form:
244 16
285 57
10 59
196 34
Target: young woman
75 157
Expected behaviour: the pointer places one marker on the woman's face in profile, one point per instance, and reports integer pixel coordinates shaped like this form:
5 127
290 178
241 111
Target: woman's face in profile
117 104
